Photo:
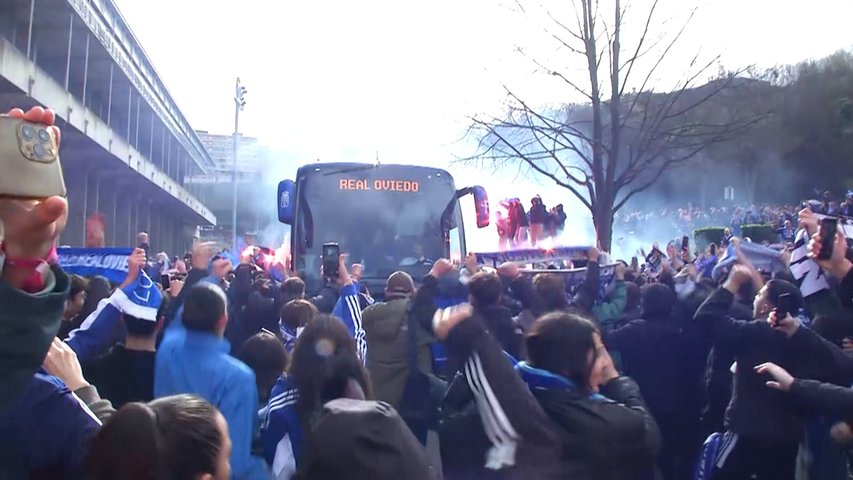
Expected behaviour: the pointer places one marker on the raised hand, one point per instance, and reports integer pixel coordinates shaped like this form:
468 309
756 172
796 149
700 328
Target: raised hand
135 263
344 277
441 267
782 380
837 264
202 252
62 362
446 319
808 220
739 276
471 263
787 325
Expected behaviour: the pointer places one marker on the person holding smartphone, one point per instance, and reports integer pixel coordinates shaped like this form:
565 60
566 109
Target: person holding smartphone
763 431
44 427
826 398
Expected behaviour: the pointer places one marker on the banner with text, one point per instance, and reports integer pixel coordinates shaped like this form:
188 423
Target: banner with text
89 262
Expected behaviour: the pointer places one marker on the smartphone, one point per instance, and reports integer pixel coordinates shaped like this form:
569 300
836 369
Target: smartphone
635 264
331 255
828 231
165 281
783 308
685 243
713 249
29 158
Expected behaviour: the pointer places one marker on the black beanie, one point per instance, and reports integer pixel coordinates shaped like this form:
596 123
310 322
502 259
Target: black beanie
658 300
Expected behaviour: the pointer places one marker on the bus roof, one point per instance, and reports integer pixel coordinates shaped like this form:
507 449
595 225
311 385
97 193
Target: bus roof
346 166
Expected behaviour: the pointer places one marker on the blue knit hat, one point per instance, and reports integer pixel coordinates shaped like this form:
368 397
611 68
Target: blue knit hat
140 299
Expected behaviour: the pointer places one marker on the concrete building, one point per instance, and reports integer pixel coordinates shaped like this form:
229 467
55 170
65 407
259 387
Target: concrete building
127 149
255 187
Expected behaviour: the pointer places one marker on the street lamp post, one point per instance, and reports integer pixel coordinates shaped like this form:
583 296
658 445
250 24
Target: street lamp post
239 103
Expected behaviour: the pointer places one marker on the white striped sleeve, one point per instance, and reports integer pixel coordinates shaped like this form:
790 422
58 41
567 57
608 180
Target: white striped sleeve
353 310
501 433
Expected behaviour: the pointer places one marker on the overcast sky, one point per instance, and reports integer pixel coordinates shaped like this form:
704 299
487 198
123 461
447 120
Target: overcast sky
343 80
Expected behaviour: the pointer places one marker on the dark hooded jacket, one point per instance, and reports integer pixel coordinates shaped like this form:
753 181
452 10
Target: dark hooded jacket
501 324
755 410
606 436
661 351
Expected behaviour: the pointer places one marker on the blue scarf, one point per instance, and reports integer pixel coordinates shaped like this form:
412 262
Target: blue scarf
288 336
538 379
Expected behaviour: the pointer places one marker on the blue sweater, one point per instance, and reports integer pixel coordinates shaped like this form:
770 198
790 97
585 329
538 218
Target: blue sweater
199 363
281 432
349 310
46 433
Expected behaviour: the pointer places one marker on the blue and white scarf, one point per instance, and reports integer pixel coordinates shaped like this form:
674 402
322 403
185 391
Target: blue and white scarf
538 379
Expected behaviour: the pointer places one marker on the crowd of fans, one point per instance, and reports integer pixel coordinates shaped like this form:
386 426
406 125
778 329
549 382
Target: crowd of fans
518 227
229 374
672 223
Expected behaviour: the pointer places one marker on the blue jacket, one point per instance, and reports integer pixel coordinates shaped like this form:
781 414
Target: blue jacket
99 331
47 431
351 316
199 363
281 432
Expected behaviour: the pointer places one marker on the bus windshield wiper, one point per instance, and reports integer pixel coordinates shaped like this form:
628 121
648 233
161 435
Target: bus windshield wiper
358 168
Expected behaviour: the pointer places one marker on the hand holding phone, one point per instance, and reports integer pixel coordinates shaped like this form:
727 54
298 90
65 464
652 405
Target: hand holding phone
29 157
828 231
331 256
783 308
29 227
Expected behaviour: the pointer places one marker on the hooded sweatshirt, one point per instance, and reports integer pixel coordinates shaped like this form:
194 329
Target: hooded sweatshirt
661 351
754 410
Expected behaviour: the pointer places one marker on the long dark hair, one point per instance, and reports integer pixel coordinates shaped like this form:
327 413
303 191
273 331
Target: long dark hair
265 354
560 343
170 438
323 361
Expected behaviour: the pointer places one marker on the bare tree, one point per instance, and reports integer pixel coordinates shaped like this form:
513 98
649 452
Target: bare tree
621 136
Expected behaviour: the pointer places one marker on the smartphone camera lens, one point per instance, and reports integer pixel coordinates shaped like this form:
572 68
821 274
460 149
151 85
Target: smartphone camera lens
28 132
39 150
43 135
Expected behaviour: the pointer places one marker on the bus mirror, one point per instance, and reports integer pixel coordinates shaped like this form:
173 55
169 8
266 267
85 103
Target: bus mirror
286 197
481 204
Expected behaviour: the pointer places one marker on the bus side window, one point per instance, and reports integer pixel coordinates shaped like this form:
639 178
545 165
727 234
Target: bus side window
455 244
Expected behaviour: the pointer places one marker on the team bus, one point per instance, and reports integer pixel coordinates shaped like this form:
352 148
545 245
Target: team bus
386 217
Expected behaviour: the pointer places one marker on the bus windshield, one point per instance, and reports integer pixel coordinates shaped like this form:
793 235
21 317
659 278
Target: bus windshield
387 218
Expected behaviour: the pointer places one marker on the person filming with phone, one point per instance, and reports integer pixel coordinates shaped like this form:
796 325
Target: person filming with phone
43 426
764 429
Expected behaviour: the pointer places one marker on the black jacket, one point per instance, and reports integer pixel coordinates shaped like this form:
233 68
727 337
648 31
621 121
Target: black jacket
507 332
666 357
123 375
603 440
504 404
825 398
845 289
756 410
538 214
